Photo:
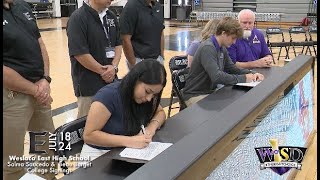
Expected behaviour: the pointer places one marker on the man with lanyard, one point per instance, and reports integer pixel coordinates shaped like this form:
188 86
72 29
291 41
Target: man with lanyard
250 51
94 49
141 23
211 64
26 88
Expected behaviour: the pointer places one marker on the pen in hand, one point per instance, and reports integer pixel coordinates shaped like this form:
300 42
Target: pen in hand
143 129
256 78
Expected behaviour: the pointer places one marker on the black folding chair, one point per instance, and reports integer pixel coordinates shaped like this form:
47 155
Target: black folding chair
176 63
312 31
178 82
296 43
72 133
273 36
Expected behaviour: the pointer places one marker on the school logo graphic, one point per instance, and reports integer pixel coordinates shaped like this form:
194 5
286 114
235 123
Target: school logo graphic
221 56
28 16
5 22
280 159
111 22
255 40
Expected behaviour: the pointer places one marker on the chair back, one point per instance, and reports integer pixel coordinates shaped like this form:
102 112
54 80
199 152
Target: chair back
178 82
295 31
273 34
273 30
177 63
312 32
312 29
70 132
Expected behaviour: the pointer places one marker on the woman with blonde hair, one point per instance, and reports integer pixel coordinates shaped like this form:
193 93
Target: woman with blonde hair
208 30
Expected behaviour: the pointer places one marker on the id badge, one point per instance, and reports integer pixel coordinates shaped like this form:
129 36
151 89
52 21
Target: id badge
110 52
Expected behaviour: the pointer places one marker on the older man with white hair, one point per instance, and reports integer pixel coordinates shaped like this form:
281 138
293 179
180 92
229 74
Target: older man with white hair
250 51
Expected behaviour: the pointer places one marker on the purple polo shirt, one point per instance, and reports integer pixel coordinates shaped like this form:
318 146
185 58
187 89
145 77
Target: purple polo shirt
219 51
249 50
215 43
193 47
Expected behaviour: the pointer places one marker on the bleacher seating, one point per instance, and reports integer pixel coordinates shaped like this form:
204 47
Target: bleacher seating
41 9
201 16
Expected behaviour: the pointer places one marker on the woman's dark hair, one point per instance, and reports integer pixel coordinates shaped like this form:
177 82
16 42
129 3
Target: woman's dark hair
148 71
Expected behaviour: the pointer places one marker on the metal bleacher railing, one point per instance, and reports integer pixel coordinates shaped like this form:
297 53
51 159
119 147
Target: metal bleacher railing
41 9
200 16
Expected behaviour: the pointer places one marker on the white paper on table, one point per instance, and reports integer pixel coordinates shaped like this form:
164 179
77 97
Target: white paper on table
148 153
28 176
250 84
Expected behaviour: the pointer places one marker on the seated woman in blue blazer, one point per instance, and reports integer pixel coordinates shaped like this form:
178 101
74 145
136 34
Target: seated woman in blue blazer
120 109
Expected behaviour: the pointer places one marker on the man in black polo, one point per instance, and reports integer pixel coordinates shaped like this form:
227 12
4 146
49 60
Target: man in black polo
26 85
94 49
141 23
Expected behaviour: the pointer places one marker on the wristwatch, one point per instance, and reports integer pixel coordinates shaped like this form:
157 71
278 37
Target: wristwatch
48 78
115 68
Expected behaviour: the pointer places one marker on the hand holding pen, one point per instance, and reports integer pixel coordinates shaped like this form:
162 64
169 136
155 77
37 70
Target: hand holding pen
254 77
140 140
258 77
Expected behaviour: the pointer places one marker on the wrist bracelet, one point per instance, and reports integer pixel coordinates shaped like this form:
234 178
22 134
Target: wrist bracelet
156 120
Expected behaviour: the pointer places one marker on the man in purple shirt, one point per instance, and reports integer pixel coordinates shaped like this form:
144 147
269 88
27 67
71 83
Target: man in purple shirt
251 51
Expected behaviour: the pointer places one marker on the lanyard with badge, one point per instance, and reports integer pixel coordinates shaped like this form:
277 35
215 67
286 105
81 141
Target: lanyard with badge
110 53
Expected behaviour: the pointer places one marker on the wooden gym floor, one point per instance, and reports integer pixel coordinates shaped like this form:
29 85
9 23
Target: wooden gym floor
177 37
